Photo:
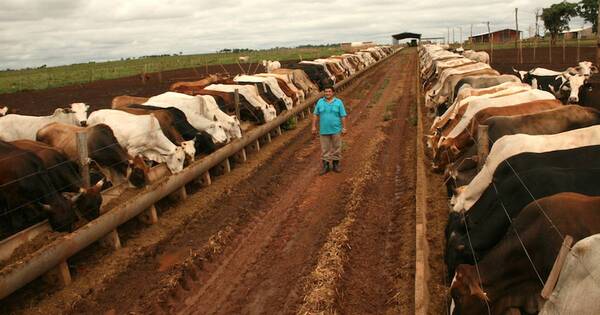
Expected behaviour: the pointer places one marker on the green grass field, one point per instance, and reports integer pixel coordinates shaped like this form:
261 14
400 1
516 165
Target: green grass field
530 43
51 77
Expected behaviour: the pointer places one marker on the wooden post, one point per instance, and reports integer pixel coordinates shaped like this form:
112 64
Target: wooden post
241 157
564 55
181 193
144 73
264 87
550 50
159 73
483 145
82 151
268 136
278 130
61 274
149 216
226 166
534 46
557 267
578 48
111 240
236 100
256 145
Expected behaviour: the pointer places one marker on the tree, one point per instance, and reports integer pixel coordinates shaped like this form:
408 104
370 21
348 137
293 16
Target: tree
556 18
588 10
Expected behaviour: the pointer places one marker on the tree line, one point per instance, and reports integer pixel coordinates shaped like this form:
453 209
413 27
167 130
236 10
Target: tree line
557 17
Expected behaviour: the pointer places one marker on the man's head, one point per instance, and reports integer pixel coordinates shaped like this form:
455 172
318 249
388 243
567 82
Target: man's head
329 91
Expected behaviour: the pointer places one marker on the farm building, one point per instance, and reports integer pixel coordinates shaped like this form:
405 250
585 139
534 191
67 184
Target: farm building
499 36
398 37
582 33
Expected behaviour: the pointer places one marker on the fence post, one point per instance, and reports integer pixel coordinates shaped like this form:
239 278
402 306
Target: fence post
82 152
483 145
236 100
144 73
550 51
578 47
564 57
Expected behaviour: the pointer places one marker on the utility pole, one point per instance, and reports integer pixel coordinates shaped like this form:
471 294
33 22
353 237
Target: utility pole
471 38
491 40
448 36
461 40
518 38
453 38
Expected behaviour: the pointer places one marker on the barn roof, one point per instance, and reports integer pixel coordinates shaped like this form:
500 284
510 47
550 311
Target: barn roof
498 31
405 35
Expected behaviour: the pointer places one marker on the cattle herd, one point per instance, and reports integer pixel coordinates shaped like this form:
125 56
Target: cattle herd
40 177
512 204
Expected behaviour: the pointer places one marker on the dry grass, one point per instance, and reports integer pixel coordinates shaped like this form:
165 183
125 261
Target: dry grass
322 285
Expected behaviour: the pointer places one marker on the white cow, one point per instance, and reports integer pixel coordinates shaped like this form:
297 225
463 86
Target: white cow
288 81
271 65
512 145
250 93
141 134
191 106
210 108
3 111
18 127
271 82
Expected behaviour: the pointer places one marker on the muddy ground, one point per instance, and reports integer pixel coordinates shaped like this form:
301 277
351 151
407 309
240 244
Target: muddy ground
273 236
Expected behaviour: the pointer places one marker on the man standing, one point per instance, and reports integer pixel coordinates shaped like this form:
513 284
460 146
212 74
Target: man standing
331 115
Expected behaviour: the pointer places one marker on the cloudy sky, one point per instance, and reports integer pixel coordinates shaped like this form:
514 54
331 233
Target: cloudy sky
55 32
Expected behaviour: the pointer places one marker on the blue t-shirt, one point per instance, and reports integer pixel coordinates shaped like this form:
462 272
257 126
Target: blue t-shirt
330 115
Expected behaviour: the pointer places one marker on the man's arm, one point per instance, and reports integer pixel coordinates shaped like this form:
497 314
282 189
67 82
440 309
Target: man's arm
344 124
315 118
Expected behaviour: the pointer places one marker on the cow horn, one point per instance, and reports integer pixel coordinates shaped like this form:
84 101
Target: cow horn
78 195
46 207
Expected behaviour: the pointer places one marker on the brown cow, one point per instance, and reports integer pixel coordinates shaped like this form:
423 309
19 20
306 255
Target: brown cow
103 149
124 100
451 148
514 285
204 82
300 79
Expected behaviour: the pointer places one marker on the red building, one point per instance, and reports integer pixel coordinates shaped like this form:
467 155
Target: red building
500 36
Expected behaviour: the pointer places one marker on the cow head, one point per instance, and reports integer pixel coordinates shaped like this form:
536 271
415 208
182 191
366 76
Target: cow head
584 68
520 74
189 149
217 132
138 172
60 213
80 112
175 160
468 296
87 201
574 84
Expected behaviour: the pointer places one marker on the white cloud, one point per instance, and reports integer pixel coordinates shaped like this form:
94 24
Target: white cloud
57 32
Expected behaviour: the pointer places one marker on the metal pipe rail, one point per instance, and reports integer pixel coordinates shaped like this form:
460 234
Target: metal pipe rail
55 254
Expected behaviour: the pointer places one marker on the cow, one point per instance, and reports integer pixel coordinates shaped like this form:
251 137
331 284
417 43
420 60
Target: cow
287 86
466 113
3 111
567 86
575 291
271 65
268 89
65 177
181 87
480 56
210 108
103 149
515 285
511 145
17 127
167 125
300 79
203 142
252 96
482 81
316 72
141 135
552 121
226 103
124 100
191 107
488 220
27 195
466 131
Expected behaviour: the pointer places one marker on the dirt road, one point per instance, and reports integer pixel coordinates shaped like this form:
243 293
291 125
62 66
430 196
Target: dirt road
284 239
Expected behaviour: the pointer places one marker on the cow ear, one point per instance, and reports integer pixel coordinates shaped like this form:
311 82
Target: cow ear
594 69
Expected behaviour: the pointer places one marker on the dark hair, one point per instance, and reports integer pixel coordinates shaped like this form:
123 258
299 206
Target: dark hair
329 87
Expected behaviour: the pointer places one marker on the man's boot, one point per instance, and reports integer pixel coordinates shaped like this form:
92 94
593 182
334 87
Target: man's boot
336 166
325 168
